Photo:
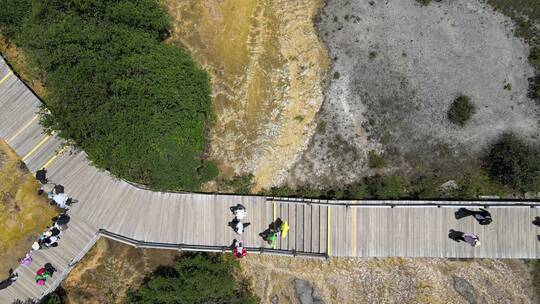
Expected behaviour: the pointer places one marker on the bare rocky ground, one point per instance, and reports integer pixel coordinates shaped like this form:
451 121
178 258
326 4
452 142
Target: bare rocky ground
397 66
390 280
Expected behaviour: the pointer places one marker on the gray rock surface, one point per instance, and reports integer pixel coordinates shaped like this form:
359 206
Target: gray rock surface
305 292
397 67
467 291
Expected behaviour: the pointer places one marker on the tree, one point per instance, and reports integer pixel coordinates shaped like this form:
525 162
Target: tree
195 278
137 106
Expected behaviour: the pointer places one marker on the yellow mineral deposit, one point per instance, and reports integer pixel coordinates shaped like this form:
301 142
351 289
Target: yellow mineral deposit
267 66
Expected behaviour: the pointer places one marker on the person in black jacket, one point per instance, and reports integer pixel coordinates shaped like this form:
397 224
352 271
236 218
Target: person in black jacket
10 280
483 217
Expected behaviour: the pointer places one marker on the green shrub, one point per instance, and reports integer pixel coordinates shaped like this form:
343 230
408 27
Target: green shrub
196 278
55 297
385 187
238 184
461 110
426 187
423 2
137 106
471 186
375 161
514 163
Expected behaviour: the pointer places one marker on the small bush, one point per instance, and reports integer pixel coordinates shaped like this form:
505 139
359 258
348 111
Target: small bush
471 186
423 2
426 187
385 187
238 184
461 110
534 88
514 163
375 161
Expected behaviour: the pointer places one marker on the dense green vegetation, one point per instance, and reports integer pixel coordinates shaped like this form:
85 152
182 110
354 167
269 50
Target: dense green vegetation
139 107
514 163
197 278
461 110
468 186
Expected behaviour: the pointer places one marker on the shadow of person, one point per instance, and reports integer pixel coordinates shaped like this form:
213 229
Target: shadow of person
456 236
536 221
462 213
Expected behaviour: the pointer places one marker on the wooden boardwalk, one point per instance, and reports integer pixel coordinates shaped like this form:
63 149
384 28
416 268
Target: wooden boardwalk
319 228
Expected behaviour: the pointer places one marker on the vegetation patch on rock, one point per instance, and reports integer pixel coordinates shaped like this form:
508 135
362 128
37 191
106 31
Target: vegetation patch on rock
461 110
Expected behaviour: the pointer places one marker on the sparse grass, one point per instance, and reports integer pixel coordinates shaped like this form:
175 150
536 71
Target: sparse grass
299 118
524 13
23 214
461 110
375 161
536 277
238 184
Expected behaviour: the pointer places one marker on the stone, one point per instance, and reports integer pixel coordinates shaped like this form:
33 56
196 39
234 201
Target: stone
305 292
449 185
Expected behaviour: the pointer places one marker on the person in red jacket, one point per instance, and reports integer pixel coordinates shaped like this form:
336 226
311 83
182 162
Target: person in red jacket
239 250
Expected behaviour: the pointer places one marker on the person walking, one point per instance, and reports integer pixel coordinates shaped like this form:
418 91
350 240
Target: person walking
469 238
238 226
41 276
239 211
27 260
62 219
483 217
239 250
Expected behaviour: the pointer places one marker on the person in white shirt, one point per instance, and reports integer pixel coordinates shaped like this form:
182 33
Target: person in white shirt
60 199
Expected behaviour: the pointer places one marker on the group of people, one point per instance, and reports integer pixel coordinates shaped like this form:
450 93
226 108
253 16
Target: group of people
239 212
50 237
55 193
278 228
483 217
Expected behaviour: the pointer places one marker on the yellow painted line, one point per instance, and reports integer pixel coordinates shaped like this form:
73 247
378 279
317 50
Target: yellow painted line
49 162
36 147
22 129
354 221
328 236
6 77
274 223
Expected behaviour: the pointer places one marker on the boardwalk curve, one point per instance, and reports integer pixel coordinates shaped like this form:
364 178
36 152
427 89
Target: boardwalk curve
116 209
